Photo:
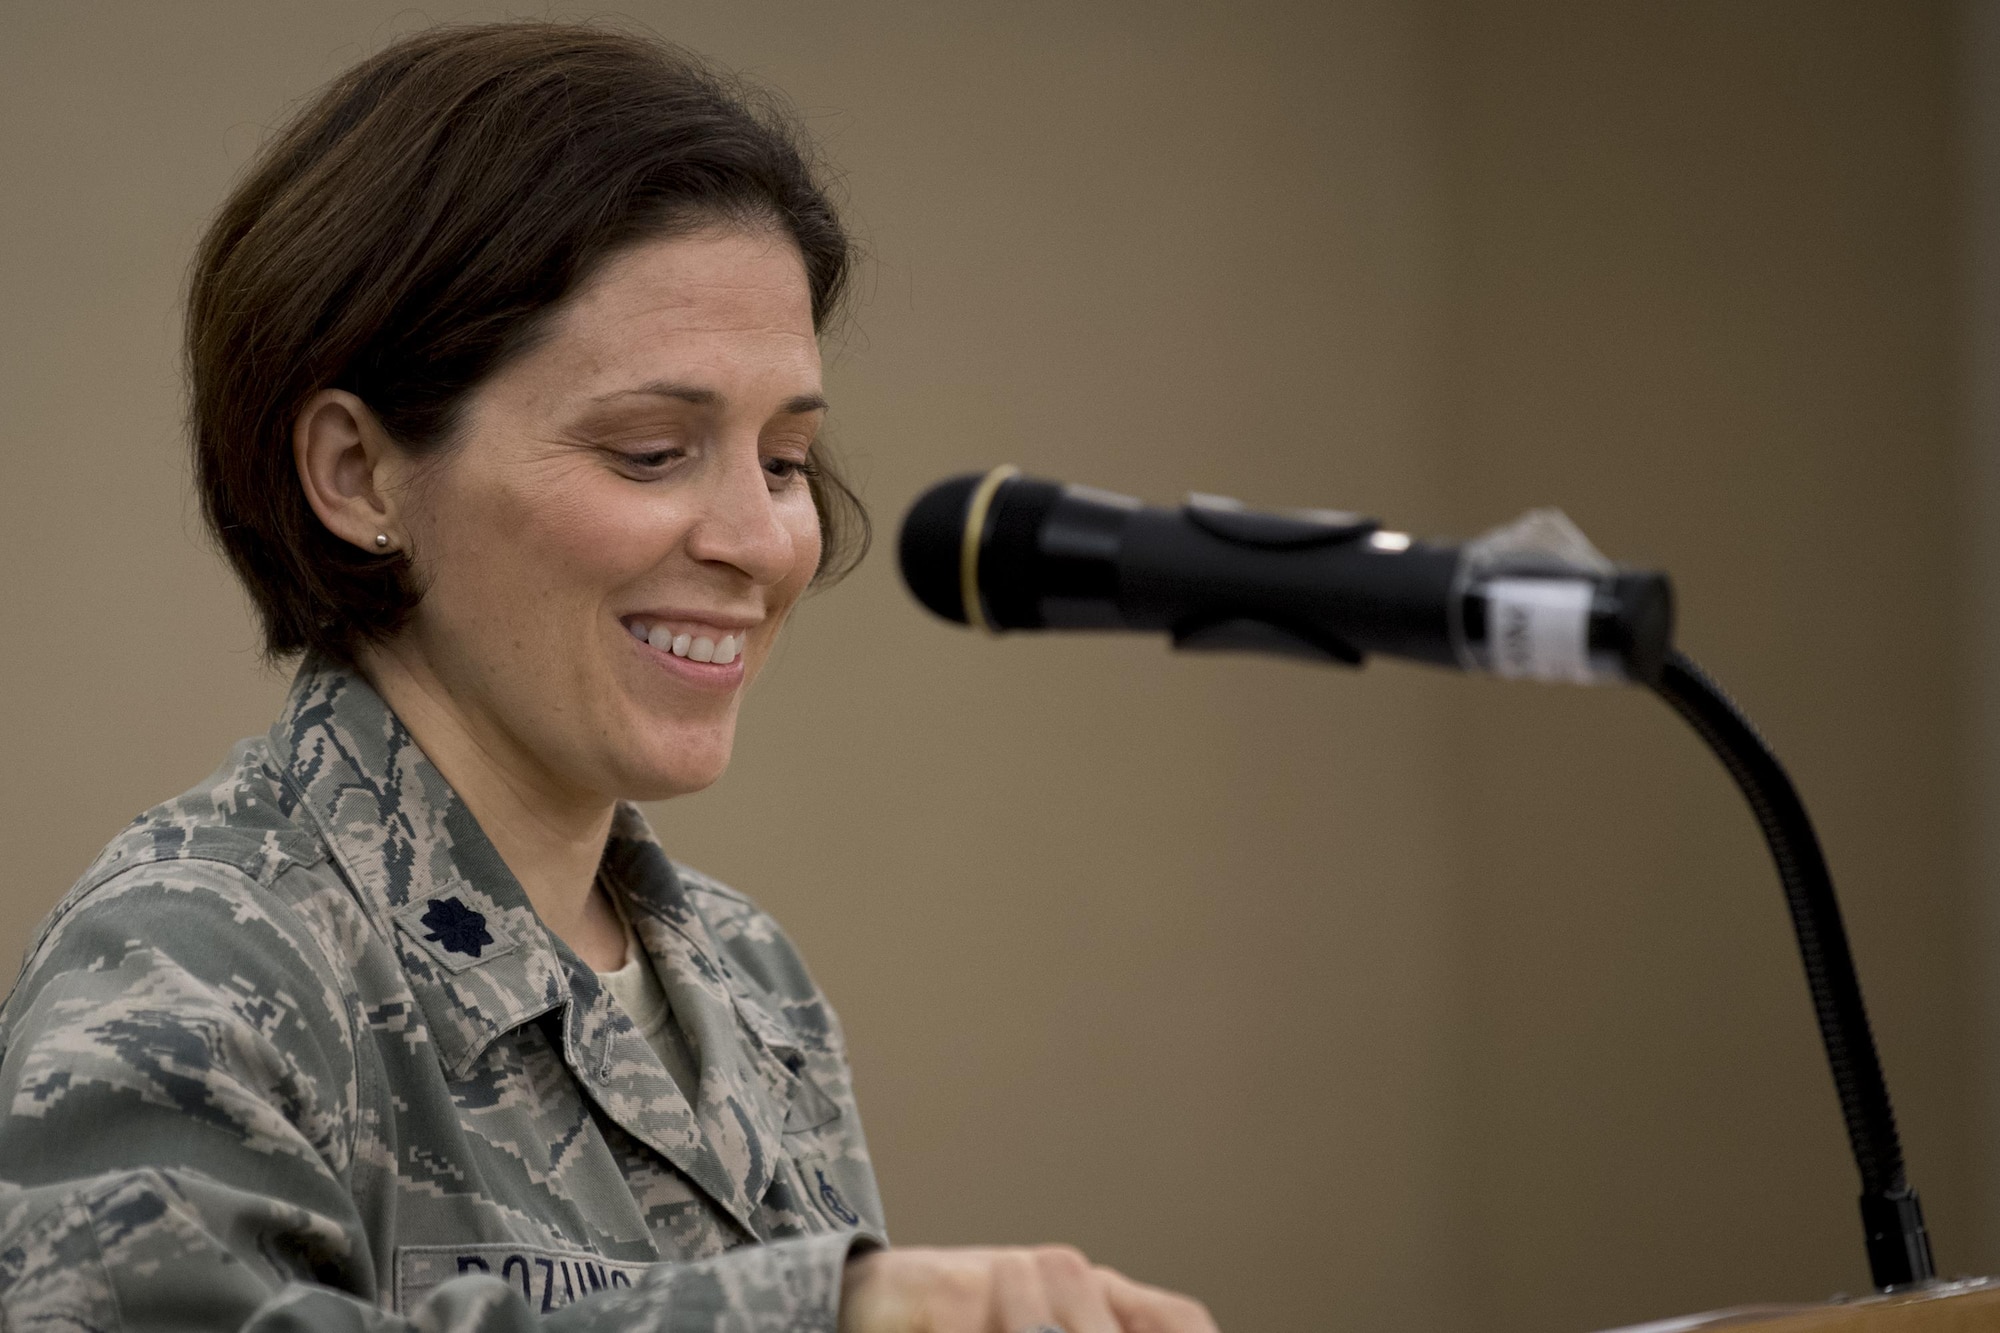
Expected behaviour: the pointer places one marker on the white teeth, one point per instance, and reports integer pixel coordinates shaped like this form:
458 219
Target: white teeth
696 648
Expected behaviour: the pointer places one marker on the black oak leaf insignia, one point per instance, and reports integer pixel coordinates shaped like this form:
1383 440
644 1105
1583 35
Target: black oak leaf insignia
456 928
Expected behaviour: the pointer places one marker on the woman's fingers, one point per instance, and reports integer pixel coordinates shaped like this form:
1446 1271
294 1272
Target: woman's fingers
1005 1291
1144 1309
1075 1291
1019 1300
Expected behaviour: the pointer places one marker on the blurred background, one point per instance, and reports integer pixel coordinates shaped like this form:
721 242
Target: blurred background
1390 1000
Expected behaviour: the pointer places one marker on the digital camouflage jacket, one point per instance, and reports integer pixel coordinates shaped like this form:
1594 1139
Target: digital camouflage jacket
297 1054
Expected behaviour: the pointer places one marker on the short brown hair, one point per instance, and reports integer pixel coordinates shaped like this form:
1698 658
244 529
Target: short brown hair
415 226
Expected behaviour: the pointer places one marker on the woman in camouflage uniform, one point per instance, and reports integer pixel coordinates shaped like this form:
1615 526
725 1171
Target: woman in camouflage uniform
505 388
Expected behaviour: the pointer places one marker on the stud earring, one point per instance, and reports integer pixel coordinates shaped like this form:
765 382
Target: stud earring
381 541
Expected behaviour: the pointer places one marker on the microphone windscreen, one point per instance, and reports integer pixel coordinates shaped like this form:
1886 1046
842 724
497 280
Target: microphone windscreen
932 542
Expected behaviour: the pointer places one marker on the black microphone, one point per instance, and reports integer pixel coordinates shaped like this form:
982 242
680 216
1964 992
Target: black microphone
1531 600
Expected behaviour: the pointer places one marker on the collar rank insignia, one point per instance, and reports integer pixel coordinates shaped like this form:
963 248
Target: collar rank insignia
456 927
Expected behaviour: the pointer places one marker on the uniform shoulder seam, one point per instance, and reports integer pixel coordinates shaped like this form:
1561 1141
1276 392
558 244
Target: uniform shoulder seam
93 885
268 899
695 882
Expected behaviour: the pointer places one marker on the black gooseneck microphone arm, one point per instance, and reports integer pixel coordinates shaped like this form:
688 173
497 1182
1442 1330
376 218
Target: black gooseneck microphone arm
1899 1249
1001 551
1008 552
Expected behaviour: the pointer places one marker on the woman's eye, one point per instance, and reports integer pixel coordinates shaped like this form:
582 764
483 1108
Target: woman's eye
788 469
649 460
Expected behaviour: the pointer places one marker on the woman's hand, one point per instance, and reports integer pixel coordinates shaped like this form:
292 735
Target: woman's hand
1006 1291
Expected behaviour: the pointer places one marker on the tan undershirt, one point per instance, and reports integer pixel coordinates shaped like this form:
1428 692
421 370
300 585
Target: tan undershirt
636 986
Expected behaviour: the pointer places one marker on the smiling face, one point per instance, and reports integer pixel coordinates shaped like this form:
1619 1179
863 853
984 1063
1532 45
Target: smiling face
633 485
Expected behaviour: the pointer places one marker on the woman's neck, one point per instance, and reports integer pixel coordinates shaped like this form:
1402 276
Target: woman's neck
552 840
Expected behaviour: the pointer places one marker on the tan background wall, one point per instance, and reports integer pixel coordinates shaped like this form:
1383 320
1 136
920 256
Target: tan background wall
1701 290
1389 1001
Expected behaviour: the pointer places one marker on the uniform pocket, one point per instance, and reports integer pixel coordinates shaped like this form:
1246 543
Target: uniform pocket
810 1109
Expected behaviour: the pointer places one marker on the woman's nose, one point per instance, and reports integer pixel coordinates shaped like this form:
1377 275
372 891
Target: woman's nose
738 523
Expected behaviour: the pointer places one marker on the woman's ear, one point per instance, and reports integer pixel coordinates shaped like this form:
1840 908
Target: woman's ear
349 470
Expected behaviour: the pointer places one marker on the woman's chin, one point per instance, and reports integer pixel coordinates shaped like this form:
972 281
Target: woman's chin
680 772
667 754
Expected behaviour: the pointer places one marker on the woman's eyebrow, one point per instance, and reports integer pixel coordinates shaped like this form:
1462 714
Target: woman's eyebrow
687 393
797 405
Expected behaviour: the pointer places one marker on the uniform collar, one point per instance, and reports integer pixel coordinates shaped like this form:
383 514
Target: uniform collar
753 1086
481 963
477 957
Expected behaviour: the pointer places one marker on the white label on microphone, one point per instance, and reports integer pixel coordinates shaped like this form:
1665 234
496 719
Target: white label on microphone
1539 629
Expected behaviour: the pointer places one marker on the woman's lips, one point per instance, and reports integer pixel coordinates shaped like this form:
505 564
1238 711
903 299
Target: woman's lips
701 653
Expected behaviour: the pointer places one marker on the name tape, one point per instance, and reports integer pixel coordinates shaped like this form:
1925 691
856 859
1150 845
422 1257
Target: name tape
546 1279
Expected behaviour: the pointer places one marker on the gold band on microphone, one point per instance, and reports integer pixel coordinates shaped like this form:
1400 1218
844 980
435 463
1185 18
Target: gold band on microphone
968 551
